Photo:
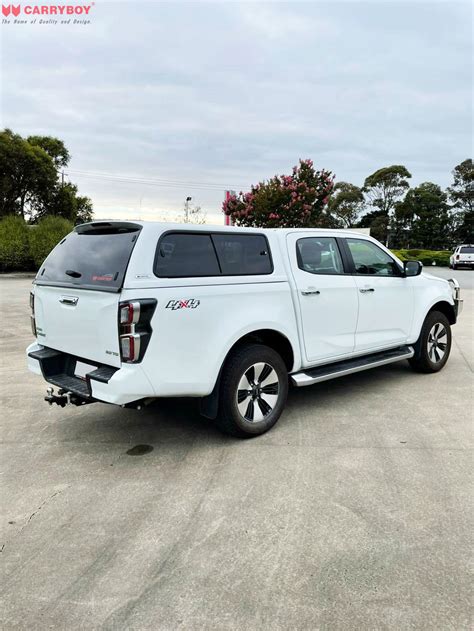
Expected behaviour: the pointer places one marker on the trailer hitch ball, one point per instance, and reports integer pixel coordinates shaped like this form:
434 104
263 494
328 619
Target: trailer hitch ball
53 398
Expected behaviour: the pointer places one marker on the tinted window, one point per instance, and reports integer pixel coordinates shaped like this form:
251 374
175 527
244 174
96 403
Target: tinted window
181 254
242 254
370 259
319 255
469 249
94 258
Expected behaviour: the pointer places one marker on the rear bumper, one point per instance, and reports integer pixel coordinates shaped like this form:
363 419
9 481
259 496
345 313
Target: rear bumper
102 383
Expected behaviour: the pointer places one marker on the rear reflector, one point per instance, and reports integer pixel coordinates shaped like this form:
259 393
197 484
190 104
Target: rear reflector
32 316
33 324
130 347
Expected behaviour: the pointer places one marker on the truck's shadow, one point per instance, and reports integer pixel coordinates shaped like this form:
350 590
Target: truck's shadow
177 421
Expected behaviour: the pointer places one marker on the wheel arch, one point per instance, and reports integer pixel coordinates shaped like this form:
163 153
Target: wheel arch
441 304
272 338
269 337
444 307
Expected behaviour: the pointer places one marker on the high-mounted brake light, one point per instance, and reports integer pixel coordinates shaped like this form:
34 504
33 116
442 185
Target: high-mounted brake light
134 319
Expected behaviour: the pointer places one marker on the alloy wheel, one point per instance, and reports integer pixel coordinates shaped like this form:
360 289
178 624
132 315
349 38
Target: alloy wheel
437 342
257 392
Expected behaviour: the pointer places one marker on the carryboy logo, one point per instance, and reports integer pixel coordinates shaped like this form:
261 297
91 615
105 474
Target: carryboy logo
46 9
6 9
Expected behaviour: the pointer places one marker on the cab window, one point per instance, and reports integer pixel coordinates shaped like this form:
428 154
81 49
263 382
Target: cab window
370 260
319 255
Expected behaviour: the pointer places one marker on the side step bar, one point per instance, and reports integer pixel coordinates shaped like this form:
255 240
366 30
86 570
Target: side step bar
349 366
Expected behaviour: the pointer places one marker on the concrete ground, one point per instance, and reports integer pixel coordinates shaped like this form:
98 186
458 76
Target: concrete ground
354 512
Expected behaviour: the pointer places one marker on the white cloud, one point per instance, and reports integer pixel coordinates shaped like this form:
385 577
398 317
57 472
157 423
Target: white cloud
231 93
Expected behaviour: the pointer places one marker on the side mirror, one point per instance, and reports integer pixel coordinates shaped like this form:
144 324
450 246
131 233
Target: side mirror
412 268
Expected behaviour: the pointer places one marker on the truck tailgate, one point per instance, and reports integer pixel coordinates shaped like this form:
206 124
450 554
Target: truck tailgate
79 322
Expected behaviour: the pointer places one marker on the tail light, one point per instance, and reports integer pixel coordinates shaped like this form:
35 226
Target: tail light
134 320
32 315
457 257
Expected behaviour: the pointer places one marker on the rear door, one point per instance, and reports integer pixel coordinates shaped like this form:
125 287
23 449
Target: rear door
327 296
77 291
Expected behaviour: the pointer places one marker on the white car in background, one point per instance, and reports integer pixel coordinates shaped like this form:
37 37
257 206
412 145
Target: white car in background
463 256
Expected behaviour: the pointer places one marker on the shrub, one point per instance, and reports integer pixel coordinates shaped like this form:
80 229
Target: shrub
46 235
14 245
440 257
298 200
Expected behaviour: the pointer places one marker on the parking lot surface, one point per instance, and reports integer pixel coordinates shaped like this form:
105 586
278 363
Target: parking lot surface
354 512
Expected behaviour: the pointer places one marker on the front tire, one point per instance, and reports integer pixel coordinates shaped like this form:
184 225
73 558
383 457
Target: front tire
254 387
434 344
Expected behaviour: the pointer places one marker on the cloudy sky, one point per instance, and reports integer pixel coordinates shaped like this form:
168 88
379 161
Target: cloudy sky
193 98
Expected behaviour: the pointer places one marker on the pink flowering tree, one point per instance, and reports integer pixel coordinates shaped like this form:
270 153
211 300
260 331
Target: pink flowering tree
298 200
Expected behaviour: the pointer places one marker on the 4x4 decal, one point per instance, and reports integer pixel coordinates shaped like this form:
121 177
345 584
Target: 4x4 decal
190 303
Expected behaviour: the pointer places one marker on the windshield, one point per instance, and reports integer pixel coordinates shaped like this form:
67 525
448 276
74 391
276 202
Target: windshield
94 256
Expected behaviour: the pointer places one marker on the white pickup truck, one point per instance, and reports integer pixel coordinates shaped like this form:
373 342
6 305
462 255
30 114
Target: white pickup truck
127 312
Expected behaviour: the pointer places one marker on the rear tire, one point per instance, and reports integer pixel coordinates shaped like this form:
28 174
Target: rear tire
254 387
434 344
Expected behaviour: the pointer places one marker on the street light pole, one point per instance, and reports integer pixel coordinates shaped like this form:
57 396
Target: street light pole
186 209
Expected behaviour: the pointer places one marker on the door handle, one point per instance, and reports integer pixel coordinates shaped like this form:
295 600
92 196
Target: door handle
365 291
69 300
310 292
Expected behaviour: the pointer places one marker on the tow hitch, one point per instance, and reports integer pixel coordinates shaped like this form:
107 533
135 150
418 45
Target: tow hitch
64 397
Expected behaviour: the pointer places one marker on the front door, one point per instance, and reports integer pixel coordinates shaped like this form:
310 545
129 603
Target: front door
385 297
327 296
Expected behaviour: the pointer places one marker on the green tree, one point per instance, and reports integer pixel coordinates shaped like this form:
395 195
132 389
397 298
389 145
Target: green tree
85 210
26 171
63 201
377 221
345 204
298 200
400 225
383 189
429 221
461 194
54 147
29 182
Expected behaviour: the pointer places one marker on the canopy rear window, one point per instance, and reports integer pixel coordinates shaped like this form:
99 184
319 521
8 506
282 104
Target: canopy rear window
94 256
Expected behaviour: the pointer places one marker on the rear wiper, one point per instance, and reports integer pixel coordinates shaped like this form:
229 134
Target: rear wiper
71 272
